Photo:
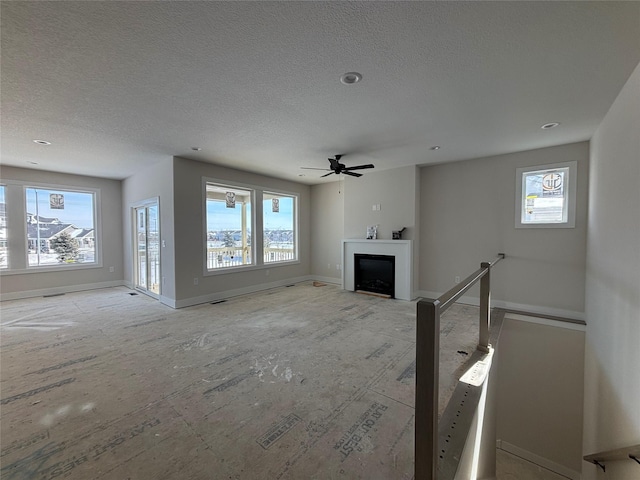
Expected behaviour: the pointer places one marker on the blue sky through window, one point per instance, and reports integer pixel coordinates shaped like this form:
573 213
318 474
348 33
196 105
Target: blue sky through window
78 207
282 220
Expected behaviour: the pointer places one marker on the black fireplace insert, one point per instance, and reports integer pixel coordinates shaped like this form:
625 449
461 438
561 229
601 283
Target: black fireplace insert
375 273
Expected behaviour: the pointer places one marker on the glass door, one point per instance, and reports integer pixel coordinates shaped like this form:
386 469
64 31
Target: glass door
147 249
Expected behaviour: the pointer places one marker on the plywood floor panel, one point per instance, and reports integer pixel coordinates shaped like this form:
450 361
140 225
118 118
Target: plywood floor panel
295 382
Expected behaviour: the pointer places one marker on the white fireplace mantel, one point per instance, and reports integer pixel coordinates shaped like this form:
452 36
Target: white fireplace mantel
400 249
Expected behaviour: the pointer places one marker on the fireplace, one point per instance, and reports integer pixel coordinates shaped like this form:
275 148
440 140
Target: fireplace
401 250
375 274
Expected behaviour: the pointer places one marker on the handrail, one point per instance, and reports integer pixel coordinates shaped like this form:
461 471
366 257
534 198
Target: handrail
632 452
428 363
450 296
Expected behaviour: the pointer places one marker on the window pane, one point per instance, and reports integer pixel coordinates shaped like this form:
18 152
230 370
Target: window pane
545 196
279 222
228 226
4 252
60 227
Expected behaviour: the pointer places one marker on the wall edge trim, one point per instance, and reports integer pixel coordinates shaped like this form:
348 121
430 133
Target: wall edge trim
538 460
212 297
61 289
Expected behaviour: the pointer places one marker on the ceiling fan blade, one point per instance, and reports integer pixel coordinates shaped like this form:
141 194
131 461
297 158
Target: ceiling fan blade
326 174
347 172
360 167
314 168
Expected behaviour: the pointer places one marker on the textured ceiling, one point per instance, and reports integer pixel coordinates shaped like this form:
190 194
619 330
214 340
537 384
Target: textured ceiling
119 86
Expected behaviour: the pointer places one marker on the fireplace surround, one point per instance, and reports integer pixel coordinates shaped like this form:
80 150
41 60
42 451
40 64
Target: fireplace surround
400 249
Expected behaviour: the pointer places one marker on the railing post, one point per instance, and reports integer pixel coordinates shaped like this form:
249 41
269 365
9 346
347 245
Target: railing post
485 308
427 382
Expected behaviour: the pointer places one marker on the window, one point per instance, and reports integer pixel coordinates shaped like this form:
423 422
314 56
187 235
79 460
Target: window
234 212
229 226
4 252
60 227
546 196
279 232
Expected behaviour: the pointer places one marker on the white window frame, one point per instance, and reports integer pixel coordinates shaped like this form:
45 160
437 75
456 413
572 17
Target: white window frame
70 266
253 195
569 207
19 258
296 199
257 227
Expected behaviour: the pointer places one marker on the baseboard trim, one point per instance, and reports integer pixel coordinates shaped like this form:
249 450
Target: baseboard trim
62 289
331 280
520 307
212 297
538 460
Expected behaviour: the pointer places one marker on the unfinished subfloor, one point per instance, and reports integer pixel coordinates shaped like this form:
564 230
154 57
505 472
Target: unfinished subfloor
299 382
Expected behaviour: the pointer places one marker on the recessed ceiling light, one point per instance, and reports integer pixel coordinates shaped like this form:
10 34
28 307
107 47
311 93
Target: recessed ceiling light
436 147
301 174
33 163
196 149
547 126
350 78
42 142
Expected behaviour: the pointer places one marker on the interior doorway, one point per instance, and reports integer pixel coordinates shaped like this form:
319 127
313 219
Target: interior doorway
147 248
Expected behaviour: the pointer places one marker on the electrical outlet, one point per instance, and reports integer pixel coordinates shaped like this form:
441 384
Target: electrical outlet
457 279
111 269
337 266
328 265
374 207
164 243
195 281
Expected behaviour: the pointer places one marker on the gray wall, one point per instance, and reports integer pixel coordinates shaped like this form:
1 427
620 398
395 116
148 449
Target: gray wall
540 386
189 235
327 227
612 381
152 182
468 212
28 284
394 190
397 191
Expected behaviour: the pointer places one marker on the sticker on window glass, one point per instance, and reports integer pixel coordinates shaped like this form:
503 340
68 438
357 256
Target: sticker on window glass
275 205
553 185
56 201
545 197
231 200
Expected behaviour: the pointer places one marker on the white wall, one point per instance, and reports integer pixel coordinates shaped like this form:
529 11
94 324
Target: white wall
60 281
327 231
189 234
152 182
612 359
467 216
540 386
394 190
